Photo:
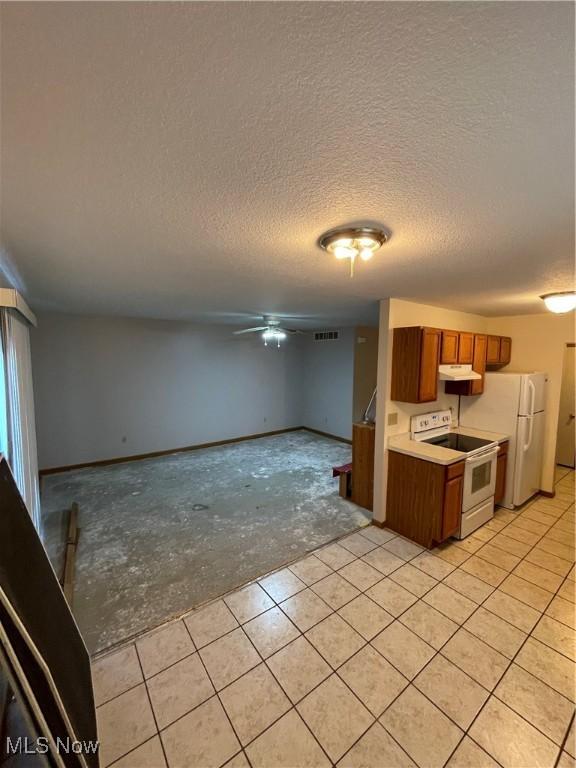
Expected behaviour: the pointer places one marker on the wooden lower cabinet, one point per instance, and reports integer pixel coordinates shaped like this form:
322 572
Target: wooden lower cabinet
424 499
501 466
363 464
452 506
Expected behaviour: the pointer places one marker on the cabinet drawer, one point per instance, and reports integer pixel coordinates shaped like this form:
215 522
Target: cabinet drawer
454 470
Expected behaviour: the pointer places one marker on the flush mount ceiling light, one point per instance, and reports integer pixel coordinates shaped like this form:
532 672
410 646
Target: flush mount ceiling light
559 303
349 243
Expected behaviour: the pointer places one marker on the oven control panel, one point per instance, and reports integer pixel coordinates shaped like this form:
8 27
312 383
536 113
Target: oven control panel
425 421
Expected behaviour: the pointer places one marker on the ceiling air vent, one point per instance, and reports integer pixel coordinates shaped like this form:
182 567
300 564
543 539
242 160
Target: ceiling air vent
326 335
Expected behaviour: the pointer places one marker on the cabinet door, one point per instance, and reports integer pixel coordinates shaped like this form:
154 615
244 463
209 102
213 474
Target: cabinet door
449 354
505 350
479 363
501 464
493 350
429 361
466 348
452 506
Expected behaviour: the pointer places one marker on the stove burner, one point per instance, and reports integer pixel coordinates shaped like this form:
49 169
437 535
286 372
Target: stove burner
456 442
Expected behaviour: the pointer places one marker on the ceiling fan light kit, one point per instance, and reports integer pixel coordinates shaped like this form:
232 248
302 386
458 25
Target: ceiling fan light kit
561 302
273 334
353 242
271 331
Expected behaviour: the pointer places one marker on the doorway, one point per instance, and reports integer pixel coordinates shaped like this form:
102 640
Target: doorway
565 447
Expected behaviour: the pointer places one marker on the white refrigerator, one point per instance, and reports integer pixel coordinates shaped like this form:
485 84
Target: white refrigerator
513 404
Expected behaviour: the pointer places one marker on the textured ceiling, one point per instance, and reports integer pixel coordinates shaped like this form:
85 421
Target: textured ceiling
181 159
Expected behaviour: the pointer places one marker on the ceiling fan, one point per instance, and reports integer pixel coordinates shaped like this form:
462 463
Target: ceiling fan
271 331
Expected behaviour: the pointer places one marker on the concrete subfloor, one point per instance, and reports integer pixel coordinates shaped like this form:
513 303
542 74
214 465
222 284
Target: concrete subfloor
161 536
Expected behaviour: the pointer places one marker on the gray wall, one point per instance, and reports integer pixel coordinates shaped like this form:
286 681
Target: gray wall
328 377
112 387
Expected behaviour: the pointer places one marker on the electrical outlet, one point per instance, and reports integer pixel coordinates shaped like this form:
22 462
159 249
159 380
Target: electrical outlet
392 419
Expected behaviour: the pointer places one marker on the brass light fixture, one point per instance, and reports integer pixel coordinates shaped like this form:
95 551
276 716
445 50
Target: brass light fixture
351 242
560 303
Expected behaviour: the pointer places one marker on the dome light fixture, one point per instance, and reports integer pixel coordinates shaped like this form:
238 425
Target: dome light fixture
560 303
353 242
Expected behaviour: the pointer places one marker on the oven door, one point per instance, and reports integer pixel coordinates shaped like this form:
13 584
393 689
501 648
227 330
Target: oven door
479 478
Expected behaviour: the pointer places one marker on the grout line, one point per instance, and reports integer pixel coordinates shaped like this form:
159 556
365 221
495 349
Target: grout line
564 740
565 579
151 706
130 751
528 635
216 693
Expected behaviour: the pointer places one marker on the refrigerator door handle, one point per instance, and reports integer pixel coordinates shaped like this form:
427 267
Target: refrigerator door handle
530 431
532 388
531 416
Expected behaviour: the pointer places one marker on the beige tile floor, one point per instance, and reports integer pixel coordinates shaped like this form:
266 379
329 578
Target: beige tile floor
369 653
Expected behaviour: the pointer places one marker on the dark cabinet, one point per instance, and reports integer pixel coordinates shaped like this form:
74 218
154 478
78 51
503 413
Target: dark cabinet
424 499
501 466
415 361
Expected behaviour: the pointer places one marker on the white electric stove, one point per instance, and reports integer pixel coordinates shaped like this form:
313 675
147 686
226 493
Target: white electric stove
479 456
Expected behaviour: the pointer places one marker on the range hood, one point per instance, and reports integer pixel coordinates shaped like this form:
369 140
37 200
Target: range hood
457 373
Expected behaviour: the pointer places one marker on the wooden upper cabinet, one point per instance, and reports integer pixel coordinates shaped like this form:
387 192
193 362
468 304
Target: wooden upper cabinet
415 361
493 350
449 353
429 361
418 351
466 348
475 387
505 350
479 363
499 351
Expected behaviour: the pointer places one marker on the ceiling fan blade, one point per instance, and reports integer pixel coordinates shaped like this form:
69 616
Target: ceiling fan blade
294 331
251 330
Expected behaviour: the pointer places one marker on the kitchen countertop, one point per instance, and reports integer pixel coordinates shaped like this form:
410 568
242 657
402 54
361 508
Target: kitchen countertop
436 453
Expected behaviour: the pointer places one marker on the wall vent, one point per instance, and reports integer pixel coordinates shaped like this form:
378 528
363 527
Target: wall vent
326 335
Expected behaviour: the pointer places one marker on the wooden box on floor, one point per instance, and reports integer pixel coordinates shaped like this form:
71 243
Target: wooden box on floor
363 464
